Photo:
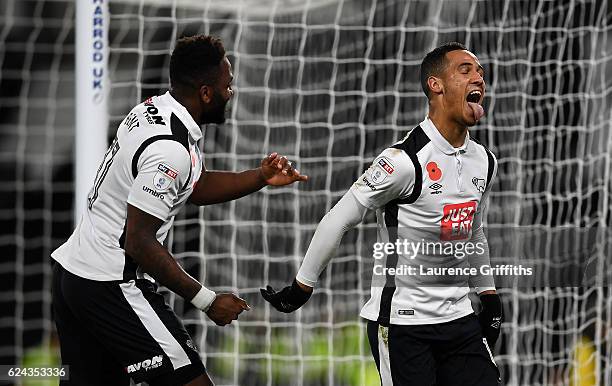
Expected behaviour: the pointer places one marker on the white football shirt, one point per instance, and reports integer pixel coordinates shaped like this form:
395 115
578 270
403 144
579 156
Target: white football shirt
153 164
423 186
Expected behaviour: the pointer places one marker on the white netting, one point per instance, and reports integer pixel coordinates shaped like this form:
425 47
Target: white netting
330 84
36 131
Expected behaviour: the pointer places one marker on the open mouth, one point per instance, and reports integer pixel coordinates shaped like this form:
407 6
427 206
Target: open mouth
474 97
473 101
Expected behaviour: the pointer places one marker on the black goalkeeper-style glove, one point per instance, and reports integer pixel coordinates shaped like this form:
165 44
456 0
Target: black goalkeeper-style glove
288 299
490 317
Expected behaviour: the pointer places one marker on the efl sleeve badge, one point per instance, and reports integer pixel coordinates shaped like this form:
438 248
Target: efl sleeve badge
164 177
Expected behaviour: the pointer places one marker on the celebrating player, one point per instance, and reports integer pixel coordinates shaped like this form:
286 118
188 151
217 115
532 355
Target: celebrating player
112 323
437 177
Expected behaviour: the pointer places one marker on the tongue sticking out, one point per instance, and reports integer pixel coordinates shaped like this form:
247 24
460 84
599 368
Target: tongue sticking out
477 110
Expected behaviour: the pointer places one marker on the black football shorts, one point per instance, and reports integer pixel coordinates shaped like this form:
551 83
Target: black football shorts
446 354
112 331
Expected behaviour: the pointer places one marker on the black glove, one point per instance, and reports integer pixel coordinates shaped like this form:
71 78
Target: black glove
288 299
490 317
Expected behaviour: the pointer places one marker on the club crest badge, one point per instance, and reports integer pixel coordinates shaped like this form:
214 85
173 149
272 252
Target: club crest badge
378 175
380 170
161 182
479 183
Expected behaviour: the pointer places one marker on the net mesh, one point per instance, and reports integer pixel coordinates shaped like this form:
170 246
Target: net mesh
36 130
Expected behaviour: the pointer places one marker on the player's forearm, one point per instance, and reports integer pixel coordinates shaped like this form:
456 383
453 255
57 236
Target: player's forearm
219 186
346 214
322 248
483 284
155 260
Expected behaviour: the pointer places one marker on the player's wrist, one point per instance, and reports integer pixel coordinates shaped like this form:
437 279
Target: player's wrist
297 295
304 287
487 292
490 300
491 305
263 180
204 299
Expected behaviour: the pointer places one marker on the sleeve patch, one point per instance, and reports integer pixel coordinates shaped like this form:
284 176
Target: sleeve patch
378 175
164 177
380 170
386 165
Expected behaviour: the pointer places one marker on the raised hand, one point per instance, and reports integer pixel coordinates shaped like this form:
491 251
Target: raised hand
277 170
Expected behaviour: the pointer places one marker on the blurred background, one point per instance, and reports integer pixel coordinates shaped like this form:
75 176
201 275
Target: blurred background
330 84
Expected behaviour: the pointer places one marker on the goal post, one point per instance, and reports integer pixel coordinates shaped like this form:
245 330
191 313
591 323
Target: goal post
91 96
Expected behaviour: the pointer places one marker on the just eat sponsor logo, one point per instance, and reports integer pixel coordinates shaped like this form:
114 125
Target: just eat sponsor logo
457 221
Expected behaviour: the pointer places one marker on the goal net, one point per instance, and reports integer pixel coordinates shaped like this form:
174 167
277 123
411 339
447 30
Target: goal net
330 84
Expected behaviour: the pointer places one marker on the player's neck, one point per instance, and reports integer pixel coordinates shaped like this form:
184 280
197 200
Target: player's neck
453 132
193 108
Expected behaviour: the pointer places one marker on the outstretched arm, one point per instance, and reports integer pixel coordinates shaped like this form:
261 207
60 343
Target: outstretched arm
346 214
215 187
390 176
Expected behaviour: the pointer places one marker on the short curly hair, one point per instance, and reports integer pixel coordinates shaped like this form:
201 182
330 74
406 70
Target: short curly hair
434 63
195 61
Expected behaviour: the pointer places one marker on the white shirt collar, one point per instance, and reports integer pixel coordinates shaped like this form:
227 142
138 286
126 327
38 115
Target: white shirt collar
181 112
439 141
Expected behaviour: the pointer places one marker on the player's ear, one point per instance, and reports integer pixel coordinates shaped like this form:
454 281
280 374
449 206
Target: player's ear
206 93
435 85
